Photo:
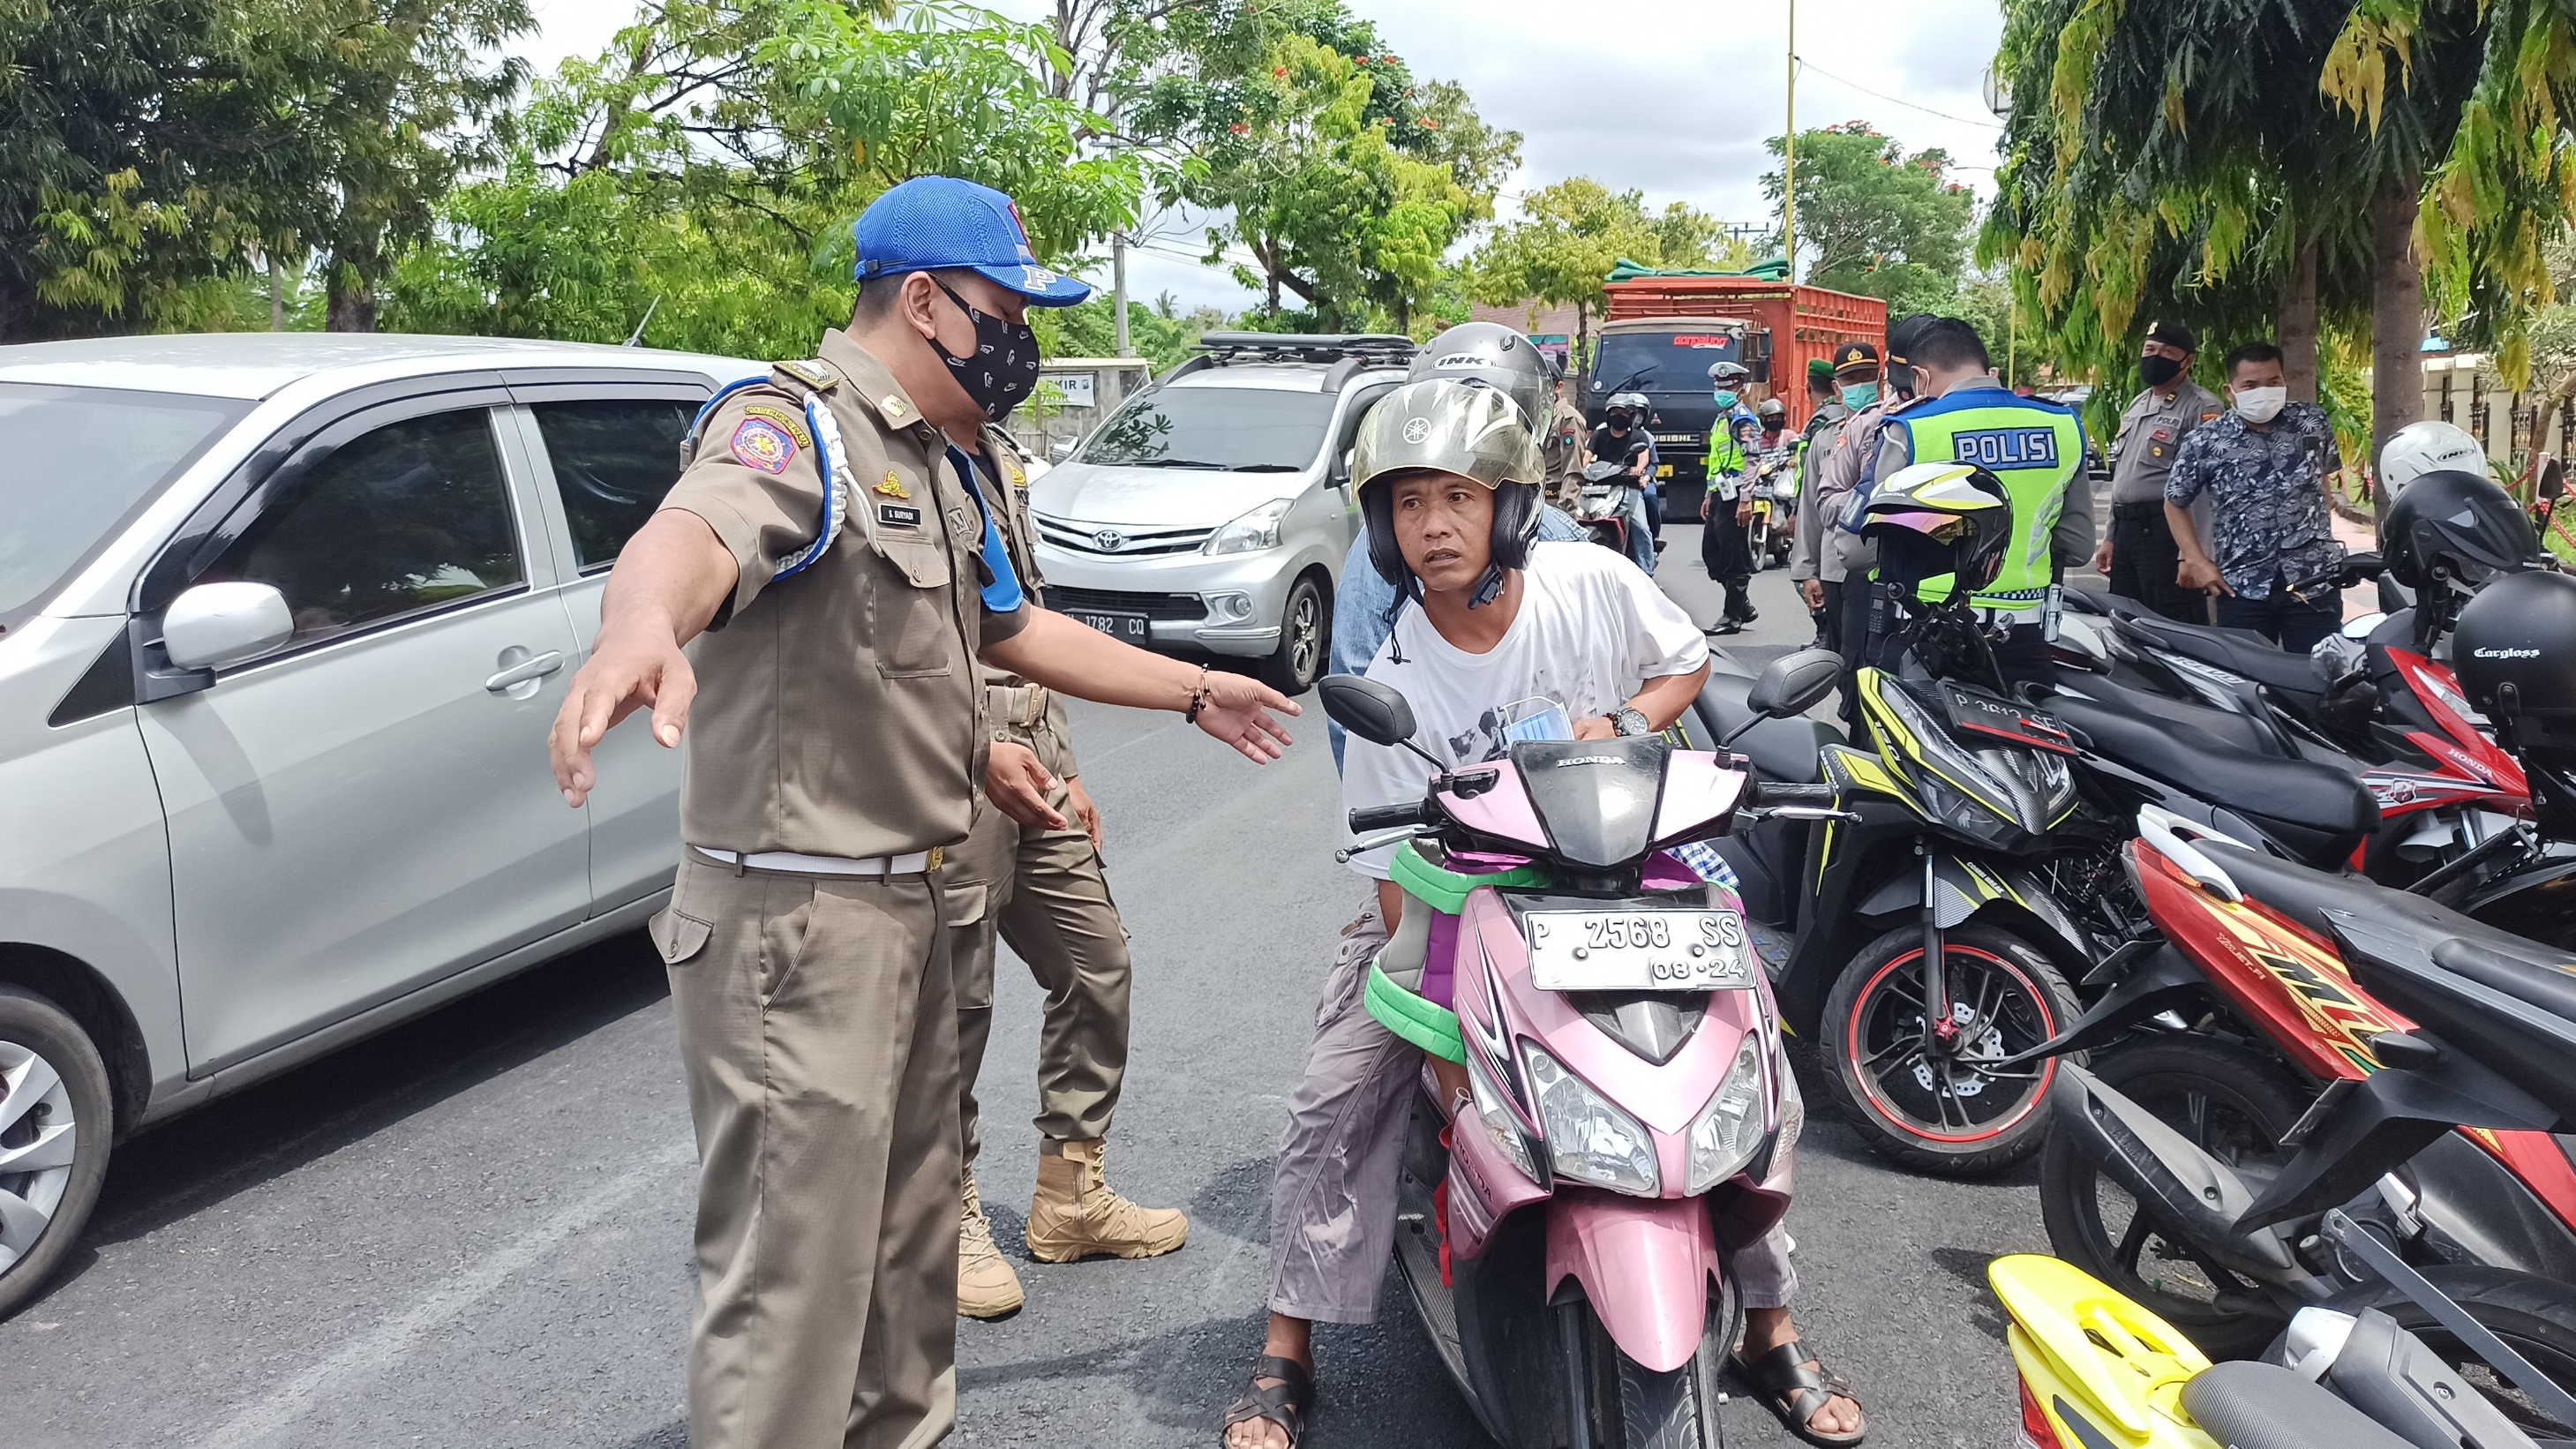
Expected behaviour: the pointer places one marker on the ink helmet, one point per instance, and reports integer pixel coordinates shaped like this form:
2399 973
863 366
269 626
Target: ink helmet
1936 519
2454 527
1449 426
2431 446
1492 355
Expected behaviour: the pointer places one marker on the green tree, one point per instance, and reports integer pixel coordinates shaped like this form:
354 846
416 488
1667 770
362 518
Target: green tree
1570 234
1345 179
707 167
1882 222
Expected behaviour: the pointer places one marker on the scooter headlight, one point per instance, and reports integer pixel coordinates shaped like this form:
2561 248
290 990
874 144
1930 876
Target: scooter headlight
1729 1130
1589 1140
1500 1127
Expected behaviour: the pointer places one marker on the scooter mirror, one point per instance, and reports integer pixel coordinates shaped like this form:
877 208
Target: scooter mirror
1791 684
1375 712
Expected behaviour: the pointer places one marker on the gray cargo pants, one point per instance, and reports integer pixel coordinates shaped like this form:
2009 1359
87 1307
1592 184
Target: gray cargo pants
1332 1208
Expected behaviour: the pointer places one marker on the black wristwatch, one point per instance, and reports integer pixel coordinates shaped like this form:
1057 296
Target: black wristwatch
1629 721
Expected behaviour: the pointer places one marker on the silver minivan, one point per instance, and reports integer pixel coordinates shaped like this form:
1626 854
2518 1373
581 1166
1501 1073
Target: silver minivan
284 620
1211 514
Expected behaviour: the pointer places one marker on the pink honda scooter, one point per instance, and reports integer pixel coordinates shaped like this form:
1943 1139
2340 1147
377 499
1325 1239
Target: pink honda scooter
1566 1228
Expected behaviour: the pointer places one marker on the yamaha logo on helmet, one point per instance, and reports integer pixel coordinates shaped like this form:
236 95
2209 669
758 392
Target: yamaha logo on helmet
1416 429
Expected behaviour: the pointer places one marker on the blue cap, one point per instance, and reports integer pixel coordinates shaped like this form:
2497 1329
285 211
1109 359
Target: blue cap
933 223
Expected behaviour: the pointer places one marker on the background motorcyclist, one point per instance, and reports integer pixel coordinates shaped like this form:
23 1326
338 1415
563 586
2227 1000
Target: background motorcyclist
1623 438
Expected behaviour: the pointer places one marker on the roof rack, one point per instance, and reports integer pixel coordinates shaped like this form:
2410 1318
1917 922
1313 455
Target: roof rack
1350 351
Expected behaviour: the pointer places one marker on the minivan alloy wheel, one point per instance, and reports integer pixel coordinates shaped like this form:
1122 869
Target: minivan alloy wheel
39 1136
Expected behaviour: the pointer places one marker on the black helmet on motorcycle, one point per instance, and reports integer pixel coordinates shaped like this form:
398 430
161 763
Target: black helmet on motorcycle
1627 407
1489 354
2512 648
1449 426
1774 413
2454 527
1932 520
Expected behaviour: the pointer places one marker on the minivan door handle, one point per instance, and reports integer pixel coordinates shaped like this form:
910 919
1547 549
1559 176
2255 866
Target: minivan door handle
523 670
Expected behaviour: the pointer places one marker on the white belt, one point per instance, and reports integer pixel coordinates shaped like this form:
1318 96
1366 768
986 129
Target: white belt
916 863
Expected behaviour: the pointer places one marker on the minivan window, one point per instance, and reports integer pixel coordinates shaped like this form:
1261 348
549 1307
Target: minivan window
1232 429
412 516
76 464
613 462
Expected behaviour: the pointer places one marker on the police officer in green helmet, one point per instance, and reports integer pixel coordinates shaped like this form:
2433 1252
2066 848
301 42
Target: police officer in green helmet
2037 450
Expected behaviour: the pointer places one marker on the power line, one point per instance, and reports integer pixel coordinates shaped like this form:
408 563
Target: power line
1805 64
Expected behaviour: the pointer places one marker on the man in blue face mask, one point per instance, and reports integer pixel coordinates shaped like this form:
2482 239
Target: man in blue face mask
1814 563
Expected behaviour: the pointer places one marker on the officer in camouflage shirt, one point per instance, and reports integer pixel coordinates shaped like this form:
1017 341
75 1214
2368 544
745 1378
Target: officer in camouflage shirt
2264 465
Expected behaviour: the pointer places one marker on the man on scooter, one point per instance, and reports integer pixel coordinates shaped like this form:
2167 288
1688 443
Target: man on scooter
1448 480
1622 438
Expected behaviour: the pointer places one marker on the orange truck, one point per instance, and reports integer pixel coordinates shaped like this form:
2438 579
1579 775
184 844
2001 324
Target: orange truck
1665 329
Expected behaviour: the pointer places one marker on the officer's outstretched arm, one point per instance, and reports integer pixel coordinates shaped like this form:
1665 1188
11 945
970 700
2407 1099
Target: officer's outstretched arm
1079 660
670 579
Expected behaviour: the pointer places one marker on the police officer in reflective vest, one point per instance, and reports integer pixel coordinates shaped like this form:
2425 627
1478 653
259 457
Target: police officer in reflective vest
2036 448
804 615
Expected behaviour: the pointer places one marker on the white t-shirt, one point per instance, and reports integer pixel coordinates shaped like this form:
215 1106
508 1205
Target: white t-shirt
1592 629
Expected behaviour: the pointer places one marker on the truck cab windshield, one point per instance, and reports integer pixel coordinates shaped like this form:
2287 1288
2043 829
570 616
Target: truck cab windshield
1670 361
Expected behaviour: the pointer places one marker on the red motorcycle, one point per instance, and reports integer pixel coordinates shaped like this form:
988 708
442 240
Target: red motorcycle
2245 1026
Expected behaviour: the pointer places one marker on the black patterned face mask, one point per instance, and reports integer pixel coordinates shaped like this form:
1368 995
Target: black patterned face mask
1004 367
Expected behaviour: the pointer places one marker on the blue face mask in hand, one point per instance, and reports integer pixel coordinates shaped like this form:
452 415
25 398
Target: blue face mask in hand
1858 395
1725 399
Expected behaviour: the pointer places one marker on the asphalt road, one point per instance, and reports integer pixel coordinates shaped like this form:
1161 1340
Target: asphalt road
475 1231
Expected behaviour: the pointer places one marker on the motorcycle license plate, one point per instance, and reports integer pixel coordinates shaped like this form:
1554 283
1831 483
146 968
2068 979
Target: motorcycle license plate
1133 628
1638 951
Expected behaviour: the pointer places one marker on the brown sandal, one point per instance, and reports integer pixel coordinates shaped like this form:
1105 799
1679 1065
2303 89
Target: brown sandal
1794 1392
1284 1403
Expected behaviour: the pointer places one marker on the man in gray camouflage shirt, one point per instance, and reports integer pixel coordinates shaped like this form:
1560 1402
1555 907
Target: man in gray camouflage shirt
2264 465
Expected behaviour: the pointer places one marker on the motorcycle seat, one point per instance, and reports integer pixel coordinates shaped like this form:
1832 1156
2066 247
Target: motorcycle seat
2238 651
1786 750
2193 756
2172 715
2371 914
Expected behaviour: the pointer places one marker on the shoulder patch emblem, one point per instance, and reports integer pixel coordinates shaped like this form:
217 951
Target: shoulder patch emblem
815 374
762 444
793 424
892 486
2209 417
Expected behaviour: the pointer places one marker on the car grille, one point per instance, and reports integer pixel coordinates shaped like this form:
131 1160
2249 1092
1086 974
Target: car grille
1171 608
1120 541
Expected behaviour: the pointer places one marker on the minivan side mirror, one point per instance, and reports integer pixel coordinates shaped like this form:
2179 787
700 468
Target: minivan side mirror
1375 712
1060 451
1794 683
212 626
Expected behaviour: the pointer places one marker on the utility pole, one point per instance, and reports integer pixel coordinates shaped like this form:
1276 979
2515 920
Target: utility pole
1118 288
1789 157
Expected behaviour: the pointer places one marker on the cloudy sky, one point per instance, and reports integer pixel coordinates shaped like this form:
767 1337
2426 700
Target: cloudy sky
1675 102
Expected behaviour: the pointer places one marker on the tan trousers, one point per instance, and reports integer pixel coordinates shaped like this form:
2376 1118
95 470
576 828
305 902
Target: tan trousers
1044 892
818 1032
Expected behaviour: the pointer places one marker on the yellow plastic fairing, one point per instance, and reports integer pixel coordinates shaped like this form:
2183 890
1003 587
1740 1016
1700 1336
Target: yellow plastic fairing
2105 1371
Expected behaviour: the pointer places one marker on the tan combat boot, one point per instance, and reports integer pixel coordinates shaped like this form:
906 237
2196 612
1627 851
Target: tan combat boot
986 1286
1075 1215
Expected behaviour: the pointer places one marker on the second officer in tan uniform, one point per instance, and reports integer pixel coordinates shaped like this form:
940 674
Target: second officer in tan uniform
1041 887
829 562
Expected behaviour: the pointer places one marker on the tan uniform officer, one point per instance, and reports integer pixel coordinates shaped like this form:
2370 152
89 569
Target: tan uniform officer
1561 447
1041 888
830 562
2139 551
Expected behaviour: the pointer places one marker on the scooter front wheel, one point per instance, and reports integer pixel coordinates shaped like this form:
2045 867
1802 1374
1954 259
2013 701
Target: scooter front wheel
1940 1108
1625 1405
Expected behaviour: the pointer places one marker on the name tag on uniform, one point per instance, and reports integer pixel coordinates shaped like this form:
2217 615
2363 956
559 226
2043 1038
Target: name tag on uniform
2008 447
898 515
